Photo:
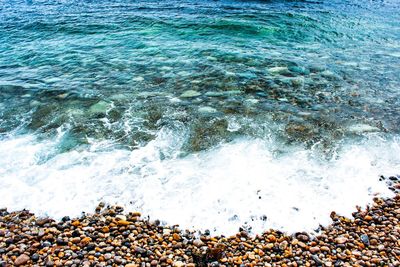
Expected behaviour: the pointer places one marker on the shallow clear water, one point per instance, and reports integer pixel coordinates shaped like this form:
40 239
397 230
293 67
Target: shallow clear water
208 114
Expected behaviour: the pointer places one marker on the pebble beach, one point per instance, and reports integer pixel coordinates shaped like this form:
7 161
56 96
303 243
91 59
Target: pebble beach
110 237
199 133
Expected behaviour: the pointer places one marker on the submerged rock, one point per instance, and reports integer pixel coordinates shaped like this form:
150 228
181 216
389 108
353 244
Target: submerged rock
43 115
100 107
34 103
150 94
138 79
207 110
233 92
298 81
224 93
299 70
278 70
207 133
62 96
261 94
362 128
317 68
299 130
251 101
190 94
329 74
119 97
214 94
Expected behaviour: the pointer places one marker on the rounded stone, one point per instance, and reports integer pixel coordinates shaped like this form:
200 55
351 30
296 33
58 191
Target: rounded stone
21 260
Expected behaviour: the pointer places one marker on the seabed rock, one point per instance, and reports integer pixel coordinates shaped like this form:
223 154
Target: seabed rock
100 107
362 128
207 110
190 94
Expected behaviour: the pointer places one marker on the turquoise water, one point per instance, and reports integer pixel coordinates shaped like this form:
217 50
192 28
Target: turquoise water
313 68
89 77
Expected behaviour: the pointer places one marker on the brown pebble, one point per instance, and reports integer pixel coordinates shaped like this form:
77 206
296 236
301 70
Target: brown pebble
123 223
178 264
269 246
76 240
283 245
198 243
341 240
314 250
303 237
43 221
271 238
21 260
176 237
301 244
86 241
368 218
325 249
374 242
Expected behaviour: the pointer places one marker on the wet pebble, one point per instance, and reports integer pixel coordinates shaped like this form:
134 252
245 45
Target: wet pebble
371 237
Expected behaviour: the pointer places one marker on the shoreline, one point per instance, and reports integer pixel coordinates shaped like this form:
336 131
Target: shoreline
110 237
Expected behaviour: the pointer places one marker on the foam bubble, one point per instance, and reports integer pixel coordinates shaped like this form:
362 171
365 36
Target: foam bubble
256 183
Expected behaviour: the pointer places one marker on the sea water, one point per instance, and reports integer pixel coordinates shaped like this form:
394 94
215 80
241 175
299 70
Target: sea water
208 114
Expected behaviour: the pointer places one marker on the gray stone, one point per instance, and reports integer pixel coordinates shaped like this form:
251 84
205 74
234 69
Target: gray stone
364 238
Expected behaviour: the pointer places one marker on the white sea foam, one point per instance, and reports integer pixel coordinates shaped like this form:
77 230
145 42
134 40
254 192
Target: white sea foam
232 185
